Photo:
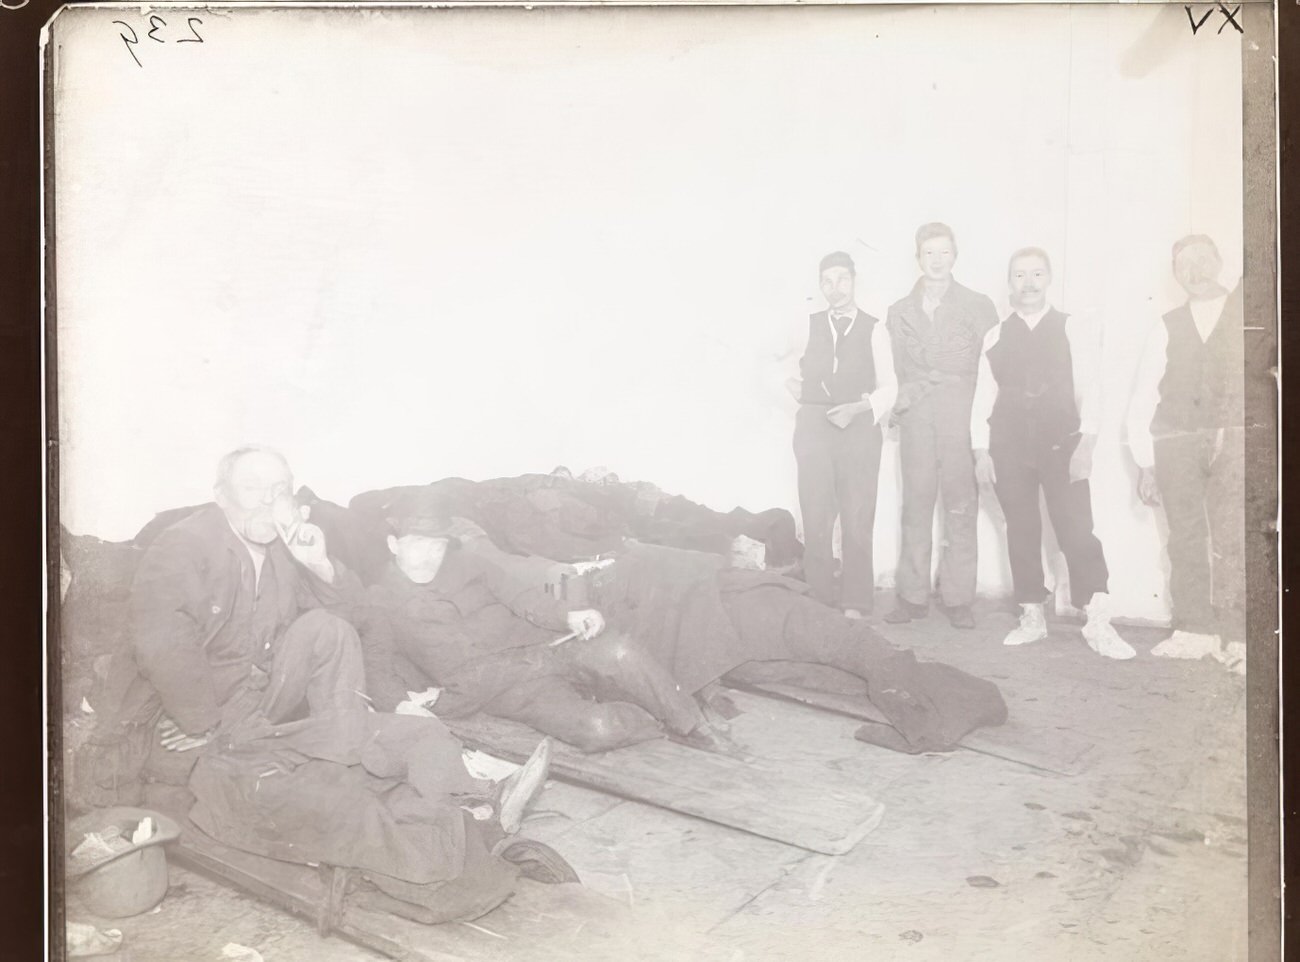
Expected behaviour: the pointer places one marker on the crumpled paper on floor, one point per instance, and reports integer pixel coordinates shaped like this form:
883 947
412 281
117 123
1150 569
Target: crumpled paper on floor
419 703
97 845
85 941
240 953
482 765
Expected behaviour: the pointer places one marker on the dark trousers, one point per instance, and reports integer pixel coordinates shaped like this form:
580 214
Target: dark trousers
1203 498
838 474
316 667
935 452
368 790
931 705
597 694
1021 474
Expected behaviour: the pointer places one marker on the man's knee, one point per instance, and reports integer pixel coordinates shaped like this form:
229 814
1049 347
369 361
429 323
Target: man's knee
620 647
610 650
607 726
325 632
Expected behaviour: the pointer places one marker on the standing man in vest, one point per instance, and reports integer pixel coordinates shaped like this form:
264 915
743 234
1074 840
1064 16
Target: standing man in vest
1185 429
1033 426
937 333
846 385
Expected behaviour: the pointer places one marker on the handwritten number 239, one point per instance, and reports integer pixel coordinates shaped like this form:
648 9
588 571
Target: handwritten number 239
156 23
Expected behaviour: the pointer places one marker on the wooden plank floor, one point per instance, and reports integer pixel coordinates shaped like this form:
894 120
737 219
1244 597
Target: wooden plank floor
810 791
543 923
1051 749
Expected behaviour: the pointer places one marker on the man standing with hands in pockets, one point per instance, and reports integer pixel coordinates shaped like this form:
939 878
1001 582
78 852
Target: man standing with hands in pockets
846 386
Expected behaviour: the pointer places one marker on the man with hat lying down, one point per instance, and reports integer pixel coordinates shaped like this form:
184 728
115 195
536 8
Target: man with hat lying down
234 661
456 612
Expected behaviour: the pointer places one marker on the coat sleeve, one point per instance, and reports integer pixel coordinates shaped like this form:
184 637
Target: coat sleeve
803 352
904 350
985 316
885 394
1146 395
519 583
313 591
986 395
166 634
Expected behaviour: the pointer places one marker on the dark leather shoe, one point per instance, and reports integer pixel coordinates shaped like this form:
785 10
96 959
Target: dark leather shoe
537 861
905 611
707 738
960 616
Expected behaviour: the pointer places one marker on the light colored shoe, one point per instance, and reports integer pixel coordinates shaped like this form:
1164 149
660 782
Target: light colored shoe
1102 638
1188 644
854 614
519 790
1032 627
1232 656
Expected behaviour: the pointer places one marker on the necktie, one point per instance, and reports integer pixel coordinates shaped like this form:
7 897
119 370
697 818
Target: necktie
841 323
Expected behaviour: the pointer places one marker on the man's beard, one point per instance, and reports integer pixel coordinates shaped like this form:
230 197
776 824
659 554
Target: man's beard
260 528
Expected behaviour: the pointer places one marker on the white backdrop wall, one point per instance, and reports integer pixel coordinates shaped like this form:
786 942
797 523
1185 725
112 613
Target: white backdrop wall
403 244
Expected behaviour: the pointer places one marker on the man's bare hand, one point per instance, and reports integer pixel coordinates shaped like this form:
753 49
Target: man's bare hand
1081 459
1148 490
842 415
795 386
984 473
306 542
588 623
175 740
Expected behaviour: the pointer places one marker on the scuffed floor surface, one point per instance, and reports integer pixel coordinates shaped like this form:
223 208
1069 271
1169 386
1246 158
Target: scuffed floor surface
1142 855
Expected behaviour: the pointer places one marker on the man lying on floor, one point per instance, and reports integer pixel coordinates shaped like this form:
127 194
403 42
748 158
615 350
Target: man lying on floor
454 608
456 612
555 516
234 662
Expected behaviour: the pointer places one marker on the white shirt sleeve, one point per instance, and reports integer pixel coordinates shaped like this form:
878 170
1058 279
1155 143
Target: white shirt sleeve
986 394
1084 335
882 354
1146 395
786 355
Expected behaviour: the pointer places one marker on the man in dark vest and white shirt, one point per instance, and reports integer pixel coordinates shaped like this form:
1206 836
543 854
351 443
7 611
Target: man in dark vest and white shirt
846 386
1185 430
937 331
1033 426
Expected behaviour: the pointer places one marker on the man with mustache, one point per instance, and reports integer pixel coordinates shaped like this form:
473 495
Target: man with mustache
1033 427
937 332
235 664
227 610
1185 430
